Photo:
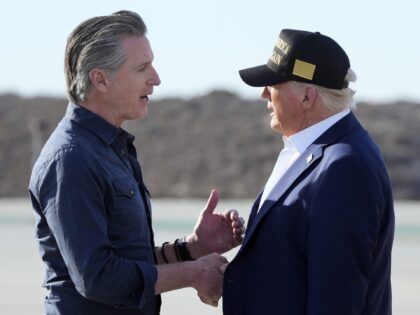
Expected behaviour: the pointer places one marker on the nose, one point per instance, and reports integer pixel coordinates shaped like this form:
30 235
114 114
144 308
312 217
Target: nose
265 93
154 80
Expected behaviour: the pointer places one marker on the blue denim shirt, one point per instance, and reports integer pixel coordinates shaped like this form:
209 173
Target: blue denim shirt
93 220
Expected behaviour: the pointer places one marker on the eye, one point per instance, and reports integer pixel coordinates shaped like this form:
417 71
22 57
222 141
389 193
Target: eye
143 67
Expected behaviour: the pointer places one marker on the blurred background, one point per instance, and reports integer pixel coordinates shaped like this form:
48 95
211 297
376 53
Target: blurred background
206 128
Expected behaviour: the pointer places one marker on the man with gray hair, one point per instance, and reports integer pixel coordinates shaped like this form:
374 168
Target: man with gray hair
92 208
320 233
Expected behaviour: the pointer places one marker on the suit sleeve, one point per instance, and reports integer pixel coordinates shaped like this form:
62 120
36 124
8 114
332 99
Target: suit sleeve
72 200
344 223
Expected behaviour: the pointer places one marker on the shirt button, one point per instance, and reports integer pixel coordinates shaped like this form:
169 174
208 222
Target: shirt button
131 193
123 152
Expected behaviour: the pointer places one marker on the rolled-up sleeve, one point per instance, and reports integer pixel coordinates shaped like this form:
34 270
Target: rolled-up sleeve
72 198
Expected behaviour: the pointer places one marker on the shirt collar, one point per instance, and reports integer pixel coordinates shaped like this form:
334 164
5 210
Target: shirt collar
96 124
303 139
288 144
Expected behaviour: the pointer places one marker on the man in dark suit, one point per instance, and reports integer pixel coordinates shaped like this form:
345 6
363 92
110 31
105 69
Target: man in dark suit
320 234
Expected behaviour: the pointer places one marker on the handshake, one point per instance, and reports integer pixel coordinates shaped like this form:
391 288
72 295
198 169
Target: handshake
209 283
213 235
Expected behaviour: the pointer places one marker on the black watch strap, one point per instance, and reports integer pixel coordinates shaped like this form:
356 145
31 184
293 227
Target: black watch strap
182 250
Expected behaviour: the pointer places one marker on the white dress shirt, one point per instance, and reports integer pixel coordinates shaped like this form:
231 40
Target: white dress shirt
294 146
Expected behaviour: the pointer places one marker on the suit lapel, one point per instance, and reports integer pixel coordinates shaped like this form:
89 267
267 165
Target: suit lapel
306 159
254 209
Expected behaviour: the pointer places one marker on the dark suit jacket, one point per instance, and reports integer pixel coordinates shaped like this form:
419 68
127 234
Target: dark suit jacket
324 247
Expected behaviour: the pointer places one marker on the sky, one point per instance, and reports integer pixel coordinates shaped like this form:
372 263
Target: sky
199 46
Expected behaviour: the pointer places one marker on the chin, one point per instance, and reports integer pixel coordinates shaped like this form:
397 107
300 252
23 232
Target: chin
141 113
275 127
274 124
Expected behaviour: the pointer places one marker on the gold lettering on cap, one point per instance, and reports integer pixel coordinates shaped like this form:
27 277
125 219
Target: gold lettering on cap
275 58
282 46
304 69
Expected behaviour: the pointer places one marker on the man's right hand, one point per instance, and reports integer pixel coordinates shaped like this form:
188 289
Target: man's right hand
204 274
210 279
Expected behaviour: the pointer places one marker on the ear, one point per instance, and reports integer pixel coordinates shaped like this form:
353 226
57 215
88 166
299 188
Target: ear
99 79
310 97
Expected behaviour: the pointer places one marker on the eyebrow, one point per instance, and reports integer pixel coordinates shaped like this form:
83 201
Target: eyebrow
144 64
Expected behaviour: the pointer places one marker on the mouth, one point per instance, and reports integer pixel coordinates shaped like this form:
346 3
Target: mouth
144 98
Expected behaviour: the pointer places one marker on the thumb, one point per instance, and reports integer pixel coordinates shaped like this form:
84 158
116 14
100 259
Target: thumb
211 203
222 268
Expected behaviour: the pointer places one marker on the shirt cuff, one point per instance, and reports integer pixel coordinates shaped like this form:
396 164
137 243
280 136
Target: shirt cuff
149 273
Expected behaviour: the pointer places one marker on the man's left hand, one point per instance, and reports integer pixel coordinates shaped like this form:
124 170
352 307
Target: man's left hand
215 232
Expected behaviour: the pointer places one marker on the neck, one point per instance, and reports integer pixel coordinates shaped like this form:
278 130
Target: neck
311 117
101 109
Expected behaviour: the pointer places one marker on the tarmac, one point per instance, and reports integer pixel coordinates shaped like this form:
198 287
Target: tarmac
21 269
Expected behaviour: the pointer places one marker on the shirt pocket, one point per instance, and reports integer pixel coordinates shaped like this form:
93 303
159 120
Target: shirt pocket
125 187
128 213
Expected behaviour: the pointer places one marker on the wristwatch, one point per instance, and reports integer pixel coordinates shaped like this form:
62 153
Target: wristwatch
183 254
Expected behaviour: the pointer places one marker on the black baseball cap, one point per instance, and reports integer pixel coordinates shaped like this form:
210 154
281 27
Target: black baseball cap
302 56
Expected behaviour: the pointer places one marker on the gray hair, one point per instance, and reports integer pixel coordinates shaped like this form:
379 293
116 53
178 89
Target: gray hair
338 100
96 43
335 100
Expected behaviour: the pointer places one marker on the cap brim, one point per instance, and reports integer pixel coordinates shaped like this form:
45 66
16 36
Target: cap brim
260 76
